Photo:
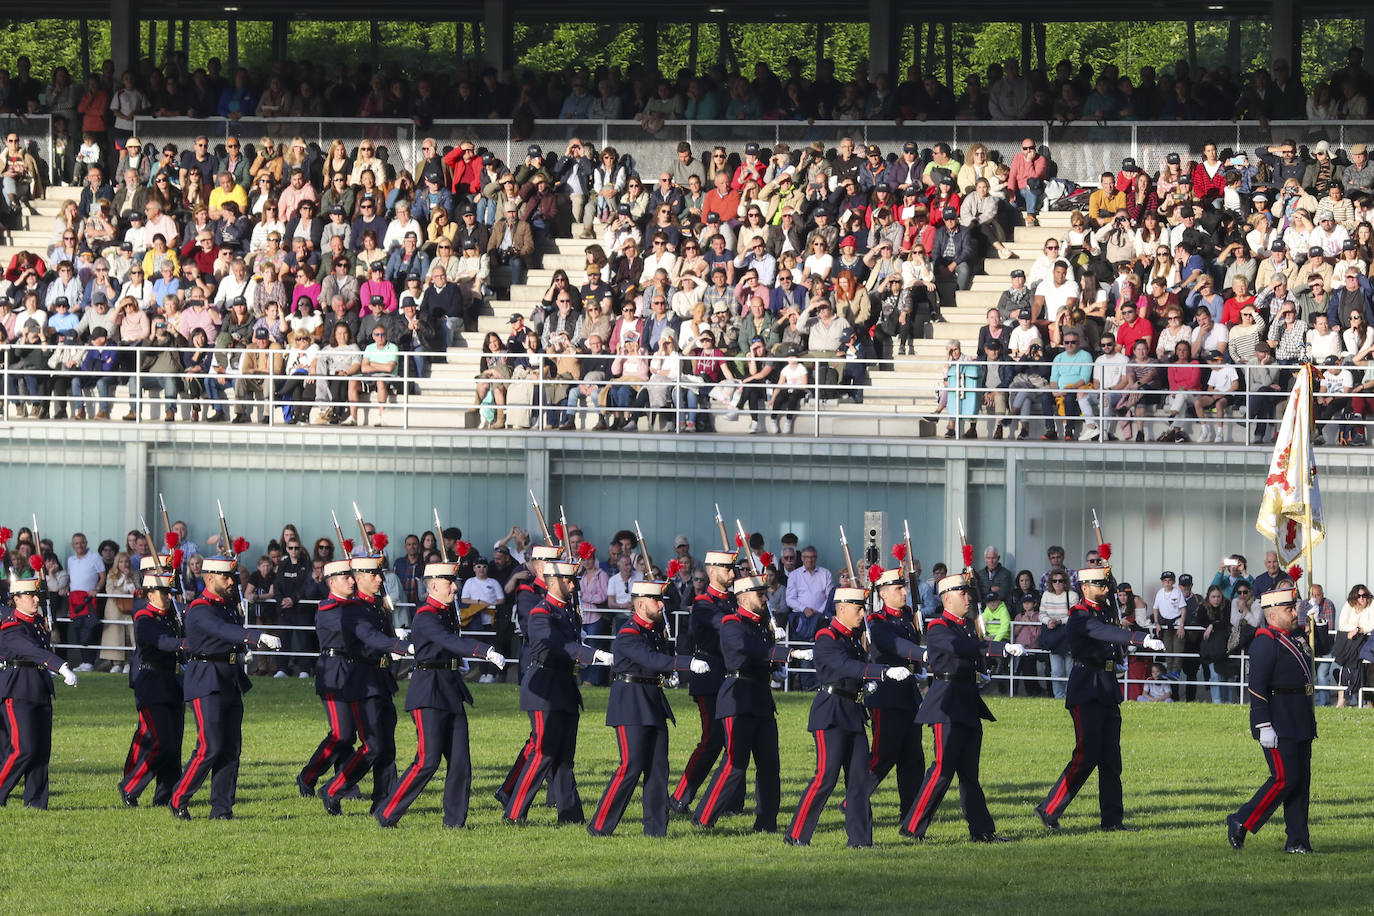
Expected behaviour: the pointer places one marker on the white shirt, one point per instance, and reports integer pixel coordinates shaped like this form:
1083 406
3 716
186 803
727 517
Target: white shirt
1056 297
1107 370
618 589
1223 377
1022 338
1335 384
1323 345
85 572
1169 605
486 590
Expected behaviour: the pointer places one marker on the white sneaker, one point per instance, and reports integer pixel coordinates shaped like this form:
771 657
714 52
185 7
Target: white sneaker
1204 435
1089 432
772 426
116 669
303 675
280 674
1220 434
786 427
85 666
487 679
753 426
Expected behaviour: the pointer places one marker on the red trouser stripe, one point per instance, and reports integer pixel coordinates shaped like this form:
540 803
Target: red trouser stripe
331 741
805 810
621 739
131 761
359 758
414 771
877 737
719 783
518 767
936 772
178 797
14 741
531 764
1071 772
1271 798
145 731
700 749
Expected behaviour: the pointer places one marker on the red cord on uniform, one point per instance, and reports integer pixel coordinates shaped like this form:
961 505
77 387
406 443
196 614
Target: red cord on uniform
1104 550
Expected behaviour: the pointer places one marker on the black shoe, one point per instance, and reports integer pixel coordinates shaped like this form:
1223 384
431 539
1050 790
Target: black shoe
576 817
181 813
594 832
305 789
1235 831
384 825
1051 823
1140 435
993 837
679 807
240 418
331 805
353 793
130 801
227 816
502 797
1298 849
1119 828
773 829
908 835
790 841
1050 436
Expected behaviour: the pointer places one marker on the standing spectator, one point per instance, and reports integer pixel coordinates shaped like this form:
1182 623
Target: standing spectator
1318 614
86 579
290 581
1196 618
1168 616
1055 603
1026 631
994 578
594 586
117 631
1355 624
480 598
808 593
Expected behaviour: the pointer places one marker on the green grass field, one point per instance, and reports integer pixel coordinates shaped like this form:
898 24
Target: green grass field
1186 767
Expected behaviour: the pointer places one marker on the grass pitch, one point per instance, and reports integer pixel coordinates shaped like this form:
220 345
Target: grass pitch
1186 767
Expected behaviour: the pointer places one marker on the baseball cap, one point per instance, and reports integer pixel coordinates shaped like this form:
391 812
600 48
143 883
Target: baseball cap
1278 246
1173 159
1332 360
950 213
238 300
1018 272
1316 251
514 318
1349 245
1024 313
680 541
873 150
849 240
751 149
469 243
1261 197
1185 579
909 146
1128 165
1167 574
376 300
623 209
1358 148
261 334
534 150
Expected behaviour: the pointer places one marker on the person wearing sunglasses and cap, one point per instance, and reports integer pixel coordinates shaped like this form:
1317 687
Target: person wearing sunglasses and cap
1283 721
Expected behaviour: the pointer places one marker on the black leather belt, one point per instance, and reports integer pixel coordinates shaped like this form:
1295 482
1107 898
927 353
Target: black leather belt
383 662
746 676
1109 667
956 678
1292 691
639 679
17 663
165 669
453 664
833 690
232 658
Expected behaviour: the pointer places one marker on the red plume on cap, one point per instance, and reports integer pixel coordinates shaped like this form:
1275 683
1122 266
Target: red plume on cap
766 558
178 558
462 548
558 530
1295 573
674 567
379 541
899 552
874 572
586 550
348 546
5 535
968 554
35 563
739 540
171 539
241 545
1104 550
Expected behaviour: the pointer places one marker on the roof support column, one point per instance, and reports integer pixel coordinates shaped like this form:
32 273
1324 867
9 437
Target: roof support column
500 34
123 35
233 26
1025 47
883 36
648 36
1285 39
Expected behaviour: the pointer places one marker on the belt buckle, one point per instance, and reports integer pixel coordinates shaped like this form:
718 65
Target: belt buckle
384 662
1309 689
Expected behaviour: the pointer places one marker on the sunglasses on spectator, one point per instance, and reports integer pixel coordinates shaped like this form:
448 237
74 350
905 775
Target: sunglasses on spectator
1058 579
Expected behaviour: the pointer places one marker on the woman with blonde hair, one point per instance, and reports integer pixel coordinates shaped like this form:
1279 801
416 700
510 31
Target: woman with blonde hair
267 161
978 165
337 160
117 631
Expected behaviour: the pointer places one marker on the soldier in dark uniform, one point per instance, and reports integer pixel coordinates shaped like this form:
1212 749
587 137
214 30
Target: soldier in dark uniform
527 595
213 685
26 694
955 657
746 709
155 676
1282 720
837 722
639 712
1096 641
703 626
370 640
435 701
332 672
548 692
894 640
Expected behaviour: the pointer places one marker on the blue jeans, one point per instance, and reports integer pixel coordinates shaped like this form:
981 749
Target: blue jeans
576 399
518 270
486 211
1326 676
1221 694
1059 668
1030 200
102 386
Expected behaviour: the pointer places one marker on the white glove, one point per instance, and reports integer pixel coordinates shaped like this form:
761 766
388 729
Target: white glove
1014 650
603 657
268 641
68 675
802 655
396 656
1268 737
897 673
402 633
496 658
1153 644
672 681
700 666
779 633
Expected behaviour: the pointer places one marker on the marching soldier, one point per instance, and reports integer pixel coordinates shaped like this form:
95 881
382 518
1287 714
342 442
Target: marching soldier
1282 720
26 692
527 595
332 675
435 701
837 723
213 686
709 609
548 692
1093 697
639 712
956 657
746 709
893 703
370 640
155 676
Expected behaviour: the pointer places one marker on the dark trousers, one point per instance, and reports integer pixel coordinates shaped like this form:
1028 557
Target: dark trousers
504 793
836 750
375 719
337 745
439 733
29 726
155 752
552 752
957 752
704 755
219 741
897 742
1289 782
1096 746
643 753
745 737
85 632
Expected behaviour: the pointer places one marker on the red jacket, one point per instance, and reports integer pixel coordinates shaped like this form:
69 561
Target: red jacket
1206 188
467 176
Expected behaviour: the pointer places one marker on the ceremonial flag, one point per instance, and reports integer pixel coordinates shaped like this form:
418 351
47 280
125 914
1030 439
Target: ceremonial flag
1290 512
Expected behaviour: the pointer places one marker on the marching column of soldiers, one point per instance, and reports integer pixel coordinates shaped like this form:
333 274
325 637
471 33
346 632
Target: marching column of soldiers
869 659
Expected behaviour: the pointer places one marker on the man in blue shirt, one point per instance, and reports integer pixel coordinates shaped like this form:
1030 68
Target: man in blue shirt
1071 379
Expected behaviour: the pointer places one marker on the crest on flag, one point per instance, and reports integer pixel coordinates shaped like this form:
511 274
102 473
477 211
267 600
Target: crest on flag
1291 497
